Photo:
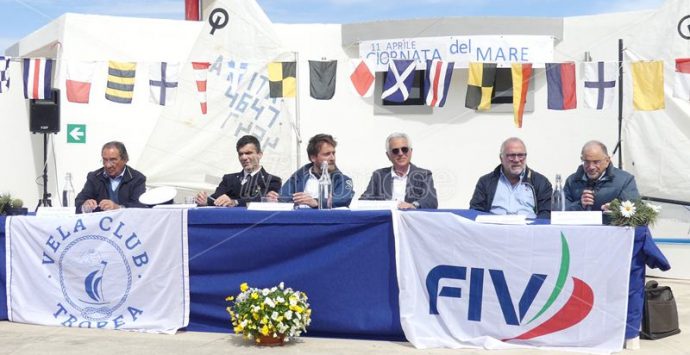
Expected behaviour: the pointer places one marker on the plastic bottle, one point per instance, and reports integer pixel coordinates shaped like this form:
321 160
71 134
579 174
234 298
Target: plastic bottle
325 188
558 197
68 192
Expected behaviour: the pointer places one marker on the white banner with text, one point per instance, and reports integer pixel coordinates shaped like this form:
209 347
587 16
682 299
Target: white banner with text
466 284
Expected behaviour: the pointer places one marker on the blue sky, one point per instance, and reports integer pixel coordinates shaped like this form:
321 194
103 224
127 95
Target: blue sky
21 17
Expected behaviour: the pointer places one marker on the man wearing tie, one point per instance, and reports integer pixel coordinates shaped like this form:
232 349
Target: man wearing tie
597 182
411 186
250 184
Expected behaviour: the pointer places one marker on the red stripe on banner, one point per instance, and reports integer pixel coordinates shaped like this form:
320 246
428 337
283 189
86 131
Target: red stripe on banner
683 65
568 82
437 77
576 308
37 73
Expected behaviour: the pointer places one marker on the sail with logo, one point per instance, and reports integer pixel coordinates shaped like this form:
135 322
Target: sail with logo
225 95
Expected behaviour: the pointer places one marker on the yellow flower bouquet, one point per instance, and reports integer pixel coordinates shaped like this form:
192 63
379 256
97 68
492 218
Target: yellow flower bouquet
269 315
633 213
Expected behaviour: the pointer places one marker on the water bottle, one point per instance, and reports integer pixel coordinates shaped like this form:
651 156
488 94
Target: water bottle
68 192
558 197
325 188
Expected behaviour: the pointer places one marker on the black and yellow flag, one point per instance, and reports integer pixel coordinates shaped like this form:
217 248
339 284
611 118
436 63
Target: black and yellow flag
282 79
480 84
120 81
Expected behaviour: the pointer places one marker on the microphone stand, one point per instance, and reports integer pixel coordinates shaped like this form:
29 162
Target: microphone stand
45 200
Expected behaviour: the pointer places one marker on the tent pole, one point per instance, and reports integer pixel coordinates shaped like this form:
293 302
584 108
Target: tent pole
298 135
620 102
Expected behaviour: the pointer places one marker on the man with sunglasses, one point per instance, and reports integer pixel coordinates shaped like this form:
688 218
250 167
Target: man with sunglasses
412 186
513 188
115 185
597 182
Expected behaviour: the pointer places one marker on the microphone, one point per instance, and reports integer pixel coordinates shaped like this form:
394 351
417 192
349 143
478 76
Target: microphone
591 185
324 166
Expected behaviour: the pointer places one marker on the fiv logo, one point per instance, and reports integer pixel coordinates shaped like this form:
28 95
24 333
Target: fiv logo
575 309
96 266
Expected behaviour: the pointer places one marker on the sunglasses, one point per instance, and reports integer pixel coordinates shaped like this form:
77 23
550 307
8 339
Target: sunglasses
397 151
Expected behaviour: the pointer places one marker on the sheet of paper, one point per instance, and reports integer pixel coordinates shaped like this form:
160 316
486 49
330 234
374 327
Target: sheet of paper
576 217
501 219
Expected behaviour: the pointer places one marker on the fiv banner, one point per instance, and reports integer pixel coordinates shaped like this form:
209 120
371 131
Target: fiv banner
465 284
124 269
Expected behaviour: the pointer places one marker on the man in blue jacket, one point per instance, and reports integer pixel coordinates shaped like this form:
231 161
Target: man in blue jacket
115 185
412 186
303 185
596 182
513 188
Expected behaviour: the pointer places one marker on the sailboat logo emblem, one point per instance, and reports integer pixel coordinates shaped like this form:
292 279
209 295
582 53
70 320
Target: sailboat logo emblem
95 276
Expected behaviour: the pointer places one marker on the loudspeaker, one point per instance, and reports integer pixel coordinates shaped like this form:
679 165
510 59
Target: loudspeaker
44 115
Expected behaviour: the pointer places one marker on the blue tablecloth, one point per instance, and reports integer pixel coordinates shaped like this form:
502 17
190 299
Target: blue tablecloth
344 261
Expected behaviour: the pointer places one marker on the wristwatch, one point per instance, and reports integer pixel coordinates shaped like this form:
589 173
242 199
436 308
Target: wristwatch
415 204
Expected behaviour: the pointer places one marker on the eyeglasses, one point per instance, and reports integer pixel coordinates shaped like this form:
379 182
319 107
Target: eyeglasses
592 162
515 155
397 151
110 161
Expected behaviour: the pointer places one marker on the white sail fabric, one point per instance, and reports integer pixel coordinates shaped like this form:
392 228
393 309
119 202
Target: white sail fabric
193 150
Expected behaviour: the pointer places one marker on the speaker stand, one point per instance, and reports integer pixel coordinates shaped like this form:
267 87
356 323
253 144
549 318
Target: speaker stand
45 200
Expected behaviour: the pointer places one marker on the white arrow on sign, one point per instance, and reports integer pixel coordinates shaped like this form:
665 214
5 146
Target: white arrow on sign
76 133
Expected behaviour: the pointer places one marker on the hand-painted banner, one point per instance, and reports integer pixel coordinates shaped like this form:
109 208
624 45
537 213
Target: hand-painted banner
465 284
460 49
126 269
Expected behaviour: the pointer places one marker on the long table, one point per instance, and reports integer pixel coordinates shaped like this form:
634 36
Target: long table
344 261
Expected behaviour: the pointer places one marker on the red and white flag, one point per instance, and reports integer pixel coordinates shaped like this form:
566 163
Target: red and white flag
362 77
78 83
38 78
200 74
437 81
681 85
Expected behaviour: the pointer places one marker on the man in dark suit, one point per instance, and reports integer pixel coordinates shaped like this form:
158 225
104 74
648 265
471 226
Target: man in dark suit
250 184
116 185
411 186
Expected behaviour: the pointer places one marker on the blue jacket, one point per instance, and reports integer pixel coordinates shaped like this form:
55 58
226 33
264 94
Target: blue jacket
97 186
616 183
485 190
420 187
342 186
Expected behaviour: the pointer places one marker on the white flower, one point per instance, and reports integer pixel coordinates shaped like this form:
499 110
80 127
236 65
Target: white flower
655 208
288 315
280 299
268 301
627 209
265 292
281 285
274 315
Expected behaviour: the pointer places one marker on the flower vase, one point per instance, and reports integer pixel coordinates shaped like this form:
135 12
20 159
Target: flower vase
267 340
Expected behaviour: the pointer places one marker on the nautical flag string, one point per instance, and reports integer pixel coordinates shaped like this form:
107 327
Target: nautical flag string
282 79
480 84
38 76
78 83
437 81
163 82
560 85
398 82
361 77
520 73
648 85
600 81
200 74
4 74
120 87
681 85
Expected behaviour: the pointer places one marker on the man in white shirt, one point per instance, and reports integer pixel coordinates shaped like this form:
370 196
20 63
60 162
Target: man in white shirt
412 186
